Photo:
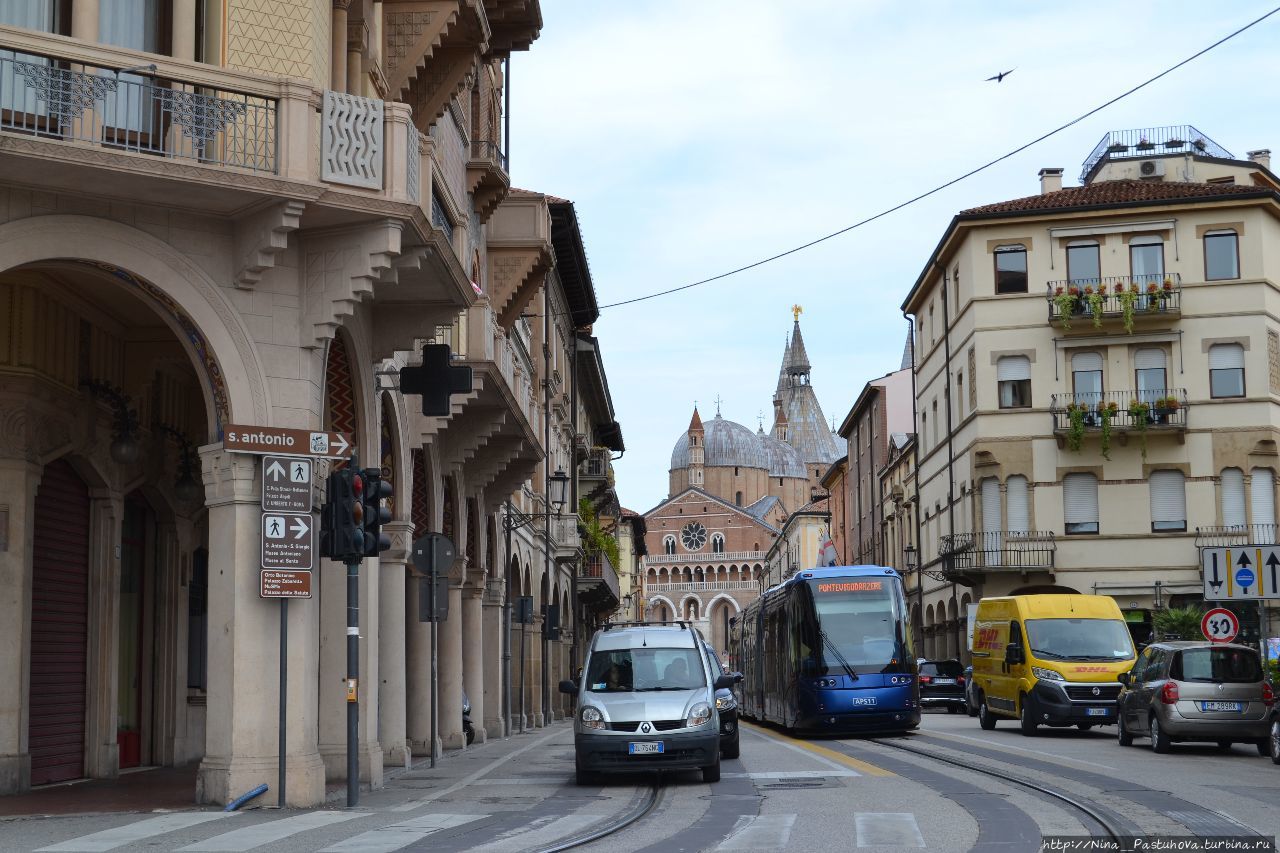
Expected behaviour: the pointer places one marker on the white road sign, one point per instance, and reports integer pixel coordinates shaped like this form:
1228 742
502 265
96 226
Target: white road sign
1243 572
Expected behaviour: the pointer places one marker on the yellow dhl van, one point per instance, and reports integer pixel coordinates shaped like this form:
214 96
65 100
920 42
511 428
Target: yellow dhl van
1051 660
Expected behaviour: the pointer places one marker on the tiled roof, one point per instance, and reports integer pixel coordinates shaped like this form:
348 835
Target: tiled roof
1105 193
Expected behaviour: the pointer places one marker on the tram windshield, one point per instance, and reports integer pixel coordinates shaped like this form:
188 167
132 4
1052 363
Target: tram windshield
854 624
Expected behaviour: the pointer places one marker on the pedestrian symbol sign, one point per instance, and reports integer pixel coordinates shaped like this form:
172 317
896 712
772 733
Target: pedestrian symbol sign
288 541
1241 572
286 484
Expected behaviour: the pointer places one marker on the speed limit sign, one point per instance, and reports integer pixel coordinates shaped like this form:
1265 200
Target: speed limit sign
1220 625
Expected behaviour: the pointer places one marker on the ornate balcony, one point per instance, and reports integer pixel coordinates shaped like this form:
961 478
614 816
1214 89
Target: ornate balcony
487 177
1002 550
704 586
598 583
595 466
1121 412
1085 305
706 557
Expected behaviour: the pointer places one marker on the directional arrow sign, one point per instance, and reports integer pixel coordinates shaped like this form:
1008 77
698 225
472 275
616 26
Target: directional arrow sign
286 484
1214 580
302 442
288 541
1245 572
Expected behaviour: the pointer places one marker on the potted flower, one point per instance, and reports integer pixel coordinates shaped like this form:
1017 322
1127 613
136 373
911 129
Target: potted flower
1106 414
1175 143
1075 428
1144 144
1153 296
1117 148
1128 299
1138 414
1199 143
1065 303
1094 298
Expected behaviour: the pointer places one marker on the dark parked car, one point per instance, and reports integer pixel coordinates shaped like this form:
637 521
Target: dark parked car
726 706
942 685
1196 691
970 692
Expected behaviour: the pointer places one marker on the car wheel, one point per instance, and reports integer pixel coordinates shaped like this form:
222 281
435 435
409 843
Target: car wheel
1264 747
985 718
1224 745
585 777
972 709
730 748
711 773
1159 740
1274 741
1122 734
1026 716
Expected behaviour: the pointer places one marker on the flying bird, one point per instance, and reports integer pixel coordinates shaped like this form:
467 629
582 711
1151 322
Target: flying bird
1000 77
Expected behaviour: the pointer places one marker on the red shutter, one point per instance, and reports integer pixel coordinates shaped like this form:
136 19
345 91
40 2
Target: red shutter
59 625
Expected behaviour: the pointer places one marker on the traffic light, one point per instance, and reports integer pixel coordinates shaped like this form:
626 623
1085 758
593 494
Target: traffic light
342 518
375 514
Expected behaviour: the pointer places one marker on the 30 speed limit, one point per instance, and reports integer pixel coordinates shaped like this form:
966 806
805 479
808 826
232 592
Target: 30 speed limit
1220 625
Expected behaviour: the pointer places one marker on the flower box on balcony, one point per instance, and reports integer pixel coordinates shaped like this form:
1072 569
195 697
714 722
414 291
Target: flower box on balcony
1175 143
1117 148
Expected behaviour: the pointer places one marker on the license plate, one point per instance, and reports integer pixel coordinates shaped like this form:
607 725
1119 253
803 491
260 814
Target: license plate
1221 706
944 681
867 700
646 748
1097 712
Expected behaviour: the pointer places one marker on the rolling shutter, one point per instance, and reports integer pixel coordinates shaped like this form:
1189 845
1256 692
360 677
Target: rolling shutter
1262 498
1149 358
1226 357
1013 367
1168 500
1080 498
1233 497
1017 505
1083 361
990 505
59 625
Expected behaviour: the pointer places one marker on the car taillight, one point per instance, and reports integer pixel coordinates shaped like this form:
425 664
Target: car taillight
925 679
1169 693
959 679
1268 695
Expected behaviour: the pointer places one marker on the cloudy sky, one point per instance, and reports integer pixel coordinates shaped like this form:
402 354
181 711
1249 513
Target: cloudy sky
696 136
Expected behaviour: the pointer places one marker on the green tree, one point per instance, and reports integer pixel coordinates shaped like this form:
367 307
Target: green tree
1178 623
595 539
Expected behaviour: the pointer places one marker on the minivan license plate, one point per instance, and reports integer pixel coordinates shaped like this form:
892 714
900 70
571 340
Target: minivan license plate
1221 706
648 748
1097 712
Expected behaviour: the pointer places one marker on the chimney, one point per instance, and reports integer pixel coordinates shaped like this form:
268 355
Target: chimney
1262 157
1050 180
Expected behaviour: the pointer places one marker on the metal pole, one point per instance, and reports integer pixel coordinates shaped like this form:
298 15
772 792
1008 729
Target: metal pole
284 692
506 112
523 634
546 502
506 625
353 675
435 636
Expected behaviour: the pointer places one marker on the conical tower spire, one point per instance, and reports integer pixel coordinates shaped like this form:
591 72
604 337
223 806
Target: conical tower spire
782 371
797 363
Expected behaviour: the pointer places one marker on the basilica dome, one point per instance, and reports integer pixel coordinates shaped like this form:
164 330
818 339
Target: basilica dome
727 444
784 460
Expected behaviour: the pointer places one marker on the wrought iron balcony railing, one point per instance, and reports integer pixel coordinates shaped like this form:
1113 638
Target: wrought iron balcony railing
1157 408
1150 141
598 568
1233 535
49 97
1002 549
491 151
596 464
1091 301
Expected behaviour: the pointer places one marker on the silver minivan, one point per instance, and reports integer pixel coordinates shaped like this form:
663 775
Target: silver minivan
646 701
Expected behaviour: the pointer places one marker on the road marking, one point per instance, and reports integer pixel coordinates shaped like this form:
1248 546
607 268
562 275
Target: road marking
467 780
131 833
526 780
760 832
896 829
386 839
249 837
535 837
792 774
1039 753
827 756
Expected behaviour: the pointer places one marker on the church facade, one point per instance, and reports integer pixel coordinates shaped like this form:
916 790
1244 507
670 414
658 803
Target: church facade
731 491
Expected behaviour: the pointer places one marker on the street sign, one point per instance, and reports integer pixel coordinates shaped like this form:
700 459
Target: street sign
288 541
1220 625
286 484
300 442
1241 573
284 583
433 555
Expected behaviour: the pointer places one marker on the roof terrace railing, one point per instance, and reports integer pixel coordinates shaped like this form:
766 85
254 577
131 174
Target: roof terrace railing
1150 141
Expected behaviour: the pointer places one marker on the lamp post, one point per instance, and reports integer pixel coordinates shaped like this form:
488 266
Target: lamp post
512 519
910 564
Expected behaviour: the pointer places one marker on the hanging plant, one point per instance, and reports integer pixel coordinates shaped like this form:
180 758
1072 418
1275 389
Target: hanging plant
1095 299
1107 412
1138 412
1065 302
1128 299
1075 433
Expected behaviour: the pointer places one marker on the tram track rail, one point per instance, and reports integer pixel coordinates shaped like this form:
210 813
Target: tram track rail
639 812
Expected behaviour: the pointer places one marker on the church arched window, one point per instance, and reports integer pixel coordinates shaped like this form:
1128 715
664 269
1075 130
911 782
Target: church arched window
669 544
737 498
717 542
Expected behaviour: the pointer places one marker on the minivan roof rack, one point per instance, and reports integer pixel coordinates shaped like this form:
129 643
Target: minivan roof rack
679 623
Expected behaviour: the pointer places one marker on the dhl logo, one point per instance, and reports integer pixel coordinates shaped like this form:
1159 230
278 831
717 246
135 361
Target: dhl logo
1091 669
986 638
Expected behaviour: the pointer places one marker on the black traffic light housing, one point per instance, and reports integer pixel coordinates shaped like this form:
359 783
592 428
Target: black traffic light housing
342 518
375 514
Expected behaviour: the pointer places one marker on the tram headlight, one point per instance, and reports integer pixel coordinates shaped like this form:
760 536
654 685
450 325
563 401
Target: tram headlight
592 718
699 715
725 703
1046 674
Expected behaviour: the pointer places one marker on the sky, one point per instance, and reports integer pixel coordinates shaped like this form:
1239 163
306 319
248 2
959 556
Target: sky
696 136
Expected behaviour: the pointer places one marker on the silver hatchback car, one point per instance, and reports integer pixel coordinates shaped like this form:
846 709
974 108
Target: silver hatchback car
1195 691
646 702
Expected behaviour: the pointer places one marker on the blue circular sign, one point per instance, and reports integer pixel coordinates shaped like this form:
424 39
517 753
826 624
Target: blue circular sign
1244 577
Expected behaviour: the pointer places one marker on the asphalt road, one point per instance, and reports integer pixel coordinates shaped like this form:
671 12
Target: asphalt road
784 794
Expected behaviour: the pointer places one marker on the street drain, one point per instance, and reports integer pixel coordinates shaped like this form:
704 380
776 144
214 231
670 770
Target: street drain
796 784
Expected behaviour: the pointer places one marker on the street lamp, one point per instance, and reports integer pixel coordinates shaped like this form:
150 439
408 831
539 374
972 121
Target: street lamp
559 482
910 552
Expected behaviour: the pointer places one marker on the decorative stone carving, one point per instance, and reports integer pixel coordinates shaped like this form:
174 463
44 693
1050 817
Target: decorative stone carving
340 270
260 238
351 140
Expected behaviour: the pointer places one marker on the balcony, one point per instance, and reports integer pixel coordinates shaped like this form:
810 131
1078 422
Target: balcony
598 583
1149 142
1118 301
1002 550
595 467
487 178
1122 412
566 537
1236 535
723 557
705 586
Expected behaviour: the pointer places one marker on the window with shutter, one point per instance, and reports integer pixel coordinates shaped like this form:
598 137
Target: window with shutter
1149 369
1080 503
1168 500
1233 497
1017 504
991 521
1226 370
1013 377
1086 377
1262 499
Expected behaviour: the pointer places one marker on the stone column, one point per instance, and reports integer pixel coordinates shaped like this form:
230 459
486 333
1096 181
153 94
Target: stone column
473 657
533 673
101 751
184 29
491 630
244 641
84 20
417 672
338 47
450 672
19 480
392 699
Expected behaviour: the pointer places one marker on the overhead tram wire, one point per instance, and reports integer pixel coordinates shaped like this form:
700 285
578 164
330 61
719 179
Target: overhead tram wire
949 183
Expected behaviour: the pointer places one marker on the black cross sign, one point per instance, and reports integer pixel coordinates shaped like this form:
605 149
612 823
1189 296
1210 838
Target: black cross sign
436 380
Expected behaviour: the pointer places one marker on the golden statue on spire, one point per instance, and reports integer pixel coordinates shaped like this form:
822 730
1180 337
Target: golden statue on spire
796 311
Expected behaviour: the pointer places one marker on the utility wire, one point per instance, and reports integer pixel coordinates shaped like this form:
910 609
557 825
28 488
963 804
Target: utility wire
949 183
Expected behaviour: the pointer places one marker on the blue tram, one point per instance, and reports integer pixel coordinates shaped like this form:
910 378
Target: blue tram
829 650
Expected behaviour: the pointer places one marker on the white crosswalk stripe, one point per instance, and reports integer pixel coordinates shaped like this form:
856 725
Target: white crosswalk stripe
760 832
131 833
386 839
250 837
535 838
888 829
